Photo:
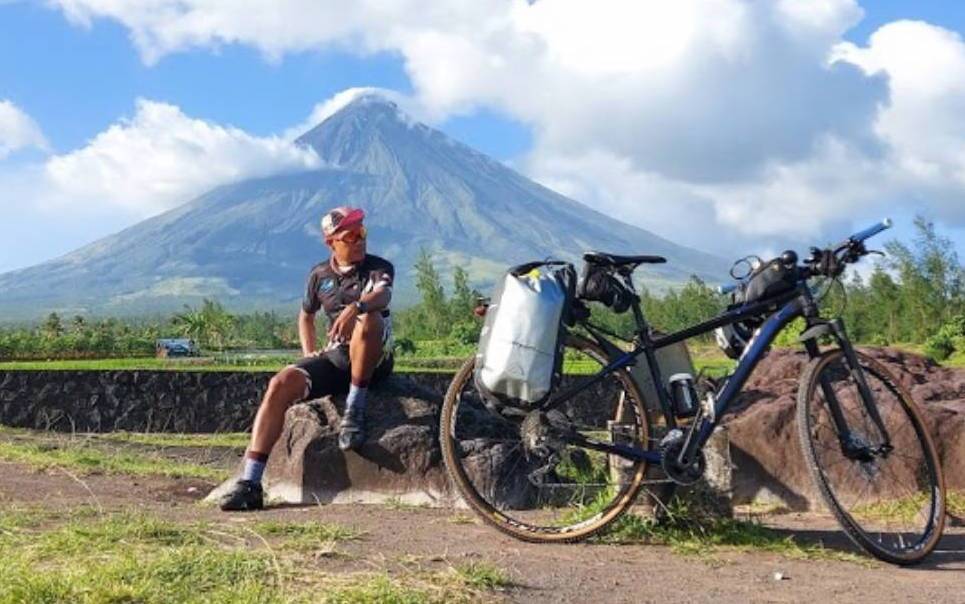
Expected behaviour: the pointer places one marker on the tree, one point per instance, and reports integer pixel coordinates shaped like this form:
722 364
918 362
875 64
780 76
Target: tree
210 325
884 303
78 324
52 327
932 280
463 299
434 309
190 323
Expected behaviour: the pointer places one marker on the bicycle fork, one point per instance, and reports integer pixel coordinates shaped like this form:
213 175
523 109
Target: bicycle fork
852 446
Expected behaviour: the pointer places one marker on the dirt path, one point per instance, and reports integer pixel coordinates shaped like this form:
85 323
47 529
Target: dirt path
566 573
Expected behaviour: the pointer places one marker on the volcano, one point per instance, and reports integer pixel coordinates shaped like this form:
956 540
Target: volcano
251 244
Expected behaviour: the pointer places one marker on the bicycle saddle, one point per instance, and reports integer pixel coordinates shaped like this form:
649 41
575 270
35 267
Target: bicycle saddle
604 259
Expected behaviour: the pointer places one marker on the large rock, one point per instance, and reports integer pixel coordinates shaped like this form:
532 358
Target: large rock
400 459
769 463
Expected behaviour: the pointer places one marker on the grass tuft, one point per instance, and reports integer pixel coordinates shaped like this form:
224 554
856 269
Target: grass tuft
482 575
306 536
80 456
691 532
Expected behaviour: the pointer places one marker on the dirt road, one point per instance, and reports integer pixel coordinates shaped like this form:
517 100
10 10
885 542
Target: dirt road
395 537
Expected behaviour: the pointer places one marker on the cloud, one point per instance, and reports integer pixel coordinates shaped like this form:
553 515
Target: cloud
325 109
139 166
723 118
161 158
18 130
923 123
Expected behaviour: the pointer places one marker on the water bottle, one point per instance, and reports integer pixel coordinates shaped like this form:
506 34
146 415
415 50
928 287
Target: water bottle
684 395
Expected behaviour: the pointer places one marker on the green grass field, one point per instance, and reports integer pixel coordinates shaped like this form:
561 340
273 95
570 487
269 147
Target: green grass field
87 555
209 457
706 357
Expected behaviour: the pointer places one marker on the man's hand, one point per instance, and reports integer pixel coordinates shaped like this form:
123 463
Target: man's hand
343 325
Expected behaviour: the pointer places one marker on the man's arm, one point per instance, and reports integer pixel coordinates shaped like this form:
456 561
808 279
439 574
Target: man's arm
306 332
377 300
374 301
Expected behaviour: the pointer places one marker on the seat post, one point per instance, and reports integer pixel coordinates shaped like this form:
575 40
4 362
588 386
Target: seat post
643 329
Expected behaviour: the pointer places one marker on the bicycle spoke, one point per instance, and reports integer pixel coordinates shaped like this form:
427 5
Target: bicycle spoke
541 484
885 499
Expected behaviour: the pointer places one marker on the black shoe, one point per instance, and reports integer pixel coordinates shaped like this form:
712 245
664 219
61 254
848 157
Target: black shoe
245 495
351 434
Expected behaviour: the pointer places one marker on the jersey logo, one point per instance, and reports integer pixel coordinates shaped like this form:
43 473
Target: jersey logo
327 286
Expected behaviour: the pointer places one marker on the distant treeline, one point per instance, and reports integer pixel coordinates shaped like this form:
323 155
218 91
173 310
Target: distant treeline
916 295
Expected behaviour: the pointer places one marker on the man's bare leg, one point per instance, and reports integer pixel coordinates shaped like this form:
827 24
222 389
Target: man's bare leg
365 348
286 387
365 351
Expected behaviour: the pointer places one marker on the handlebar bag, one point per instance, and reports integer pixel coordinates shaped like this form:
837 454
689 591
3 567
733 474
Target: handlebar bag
771 279
520 354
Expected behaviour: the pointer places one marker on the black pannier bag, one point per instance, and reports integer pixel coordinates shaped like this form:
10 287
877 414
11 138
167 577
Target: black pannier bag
599 284
520 357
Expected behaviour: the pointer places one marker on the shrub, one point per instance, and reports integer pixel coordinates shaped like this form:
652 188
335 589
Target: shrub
947 340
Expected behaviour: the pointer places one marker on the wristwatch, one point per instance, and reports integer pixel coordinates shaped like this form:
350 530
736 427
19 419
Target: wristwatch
361 307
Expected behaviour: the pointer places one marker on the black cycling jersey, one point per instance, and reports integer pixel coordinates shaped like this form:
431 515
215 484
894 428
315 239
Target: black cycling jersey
332 290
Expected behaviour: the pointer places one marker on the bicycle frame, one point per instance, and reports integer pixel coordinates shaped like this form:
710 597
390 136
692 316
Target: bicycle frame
783 309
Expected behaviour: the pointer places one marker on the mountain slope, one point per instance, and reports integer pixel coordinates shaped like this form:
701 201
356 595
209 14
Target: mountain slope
251 244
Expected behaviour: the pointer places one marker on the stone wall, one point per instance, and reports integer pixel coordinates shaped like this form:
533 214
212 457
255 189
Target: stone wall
143 401
154 401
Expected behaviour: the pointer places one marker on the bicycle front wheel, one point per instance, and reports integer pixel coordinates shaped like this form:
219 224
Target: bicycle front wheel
887 492
520 474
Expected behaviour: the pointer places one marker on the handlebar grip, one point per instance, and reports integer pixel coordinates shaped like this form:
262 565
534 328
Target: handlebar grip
872 230
726 289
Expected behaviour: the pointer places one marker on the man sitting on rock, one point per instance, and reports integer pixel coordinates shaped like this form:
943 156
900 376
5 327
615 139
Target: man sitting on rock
354 288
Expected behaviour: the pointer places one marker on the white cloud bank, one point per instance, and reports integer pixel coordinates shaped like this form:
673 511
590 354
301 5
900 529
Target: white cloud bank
18 130
161 158
137 167
691 118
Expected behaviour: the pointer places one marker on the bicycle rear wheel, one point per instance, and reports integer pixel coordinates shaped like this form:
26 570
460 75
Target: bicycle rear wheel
555 491
891 503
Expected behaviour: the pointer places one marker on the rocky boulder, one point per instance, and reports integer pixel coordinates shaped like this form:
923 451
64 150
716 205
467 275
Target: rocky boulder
769 463
400 460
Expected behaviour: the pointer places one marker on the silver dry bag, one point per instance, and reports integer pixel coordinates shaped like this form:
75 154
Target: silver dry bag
520 347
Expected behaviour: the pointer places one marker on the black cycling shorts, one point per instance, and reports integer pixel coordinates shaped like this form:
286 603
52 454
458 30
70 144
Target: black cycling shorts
329 373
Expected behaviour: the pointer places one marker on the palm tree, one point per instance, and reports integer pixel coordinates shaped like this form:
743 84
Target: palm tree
191 323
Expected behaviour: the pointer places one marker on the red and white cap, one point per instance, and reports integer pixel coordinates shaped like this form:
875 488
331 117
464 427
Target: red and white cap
341 218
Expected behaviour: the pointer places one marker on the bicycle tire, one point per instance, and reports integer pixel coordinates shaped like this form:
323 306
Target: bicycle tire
504 521
861 521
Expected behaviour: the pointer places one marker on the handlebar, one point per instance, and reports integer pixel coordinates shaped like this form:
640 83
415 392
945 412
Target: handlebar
829 262
871 231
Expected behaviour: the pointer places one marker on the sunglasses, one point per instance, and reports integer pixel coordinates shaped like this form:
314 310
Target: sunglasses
353 236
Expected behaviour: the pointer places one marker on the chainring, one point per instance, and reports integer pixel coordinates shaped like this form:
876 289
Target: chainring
682 475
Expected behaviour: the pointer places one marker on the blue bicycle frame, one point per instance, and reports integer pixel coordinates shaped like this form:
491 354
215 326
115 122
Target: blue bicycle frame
782 309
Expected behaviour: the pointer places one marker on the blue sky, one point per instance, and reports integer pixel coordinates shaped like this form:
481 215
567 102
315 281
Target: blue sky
98 74
75 77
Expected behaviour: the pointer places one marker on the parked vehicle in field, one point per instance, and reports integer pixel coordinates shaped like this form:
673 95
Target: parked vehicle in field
175 347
